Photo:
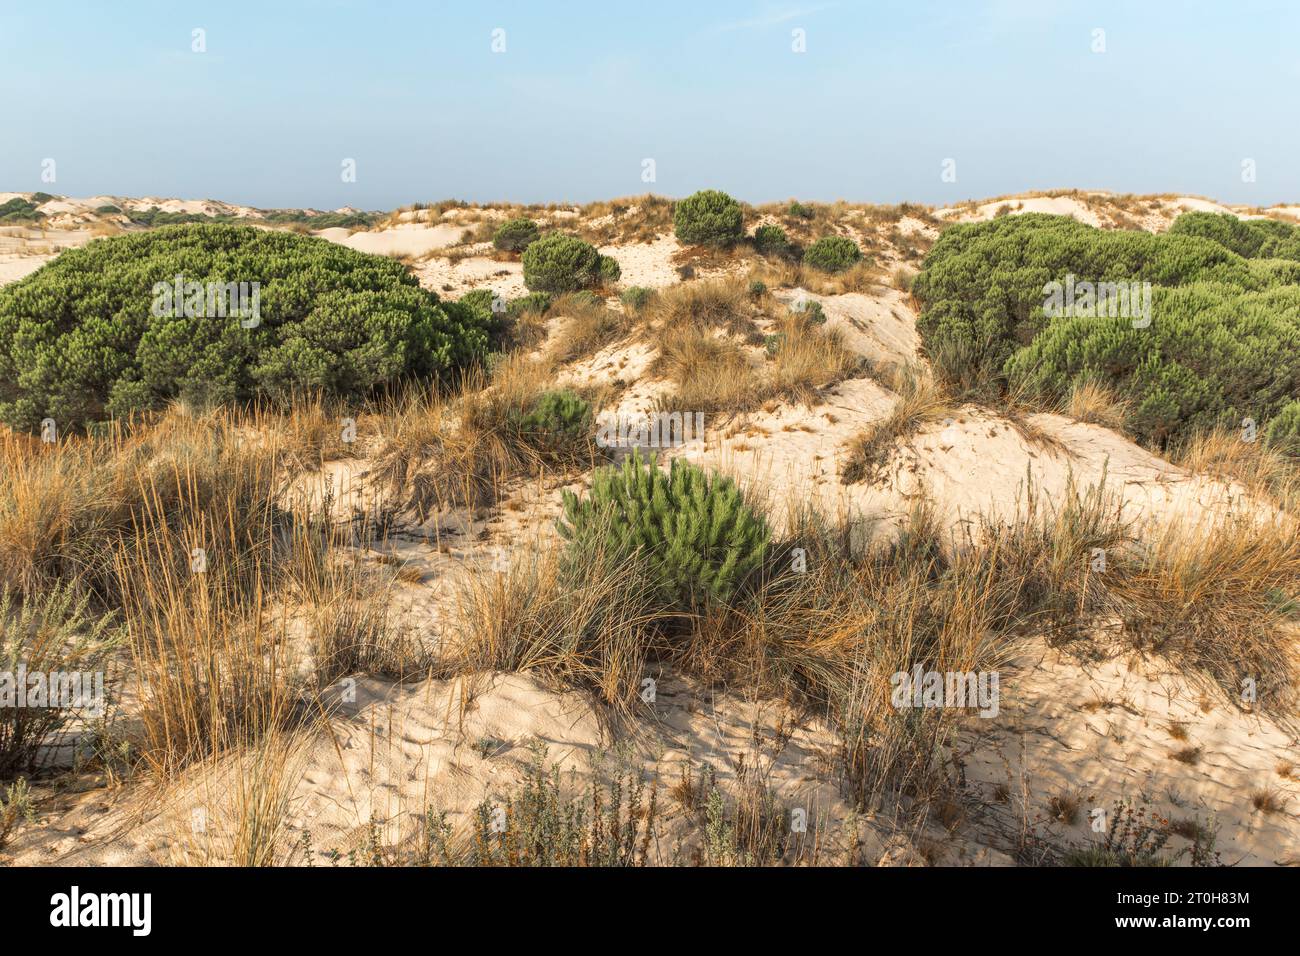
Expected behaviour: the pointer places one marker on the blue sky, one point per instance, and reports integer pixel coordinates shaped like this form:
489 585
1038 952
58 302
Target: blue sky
711 90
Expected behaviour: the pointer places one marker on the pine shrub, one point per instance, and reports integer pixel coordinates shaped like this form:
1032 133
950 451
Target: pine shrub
560 263
1283 434
556 418
90 335
701 538
708 218
832 254
770 239
515 235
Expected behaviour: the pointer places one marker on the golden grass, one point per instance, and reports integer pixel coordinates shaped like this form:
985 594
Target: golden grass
920 399
707 333
586 326
1095 404
1223 454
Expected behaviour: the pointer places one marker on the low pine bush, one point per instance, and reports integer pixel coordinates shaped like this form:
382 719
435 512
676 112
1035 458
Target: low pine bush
560 263
637 297
557 418
1283 434
610 270
1213 341
261 315
832 254
701 538
770 239
708 218
515 235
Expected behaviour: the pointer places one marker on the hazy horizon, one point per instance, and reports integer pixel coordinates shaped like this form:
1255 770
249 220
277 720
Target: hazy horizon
1020 95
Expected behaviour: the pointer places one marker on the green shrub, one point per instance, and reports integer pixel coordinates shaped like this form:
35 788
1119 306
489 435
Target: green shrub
560 263
482 302
94 333
1283 432
19 210
801 211
107 210
481 307
1249 238
610 270
1211 356
637 297
708 218
982 289
757 288
1221 344
556 418
515 235
770 239
700 537
832 254
538 302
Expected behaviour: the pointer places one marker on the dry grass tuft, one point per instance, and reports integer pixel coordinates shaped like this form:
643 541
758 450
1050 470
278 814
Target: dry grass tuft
1263 471
920 399
1095 404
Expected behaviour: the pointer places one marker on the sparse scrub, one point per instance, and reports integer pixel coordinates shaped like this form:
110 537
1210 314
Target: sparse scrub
52 633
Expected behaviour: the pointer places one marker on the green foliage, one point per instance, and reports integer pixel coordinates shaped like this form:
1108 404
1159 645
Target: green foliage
1249 238
538 302
757 288
701 538
832 254
560 263
637 297
709 218
154 217
798 209
19 210
770 239
94 333
1283 433
482 308
40 197
556 418
610 270
1221 345
515 235
1211 356
107 210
